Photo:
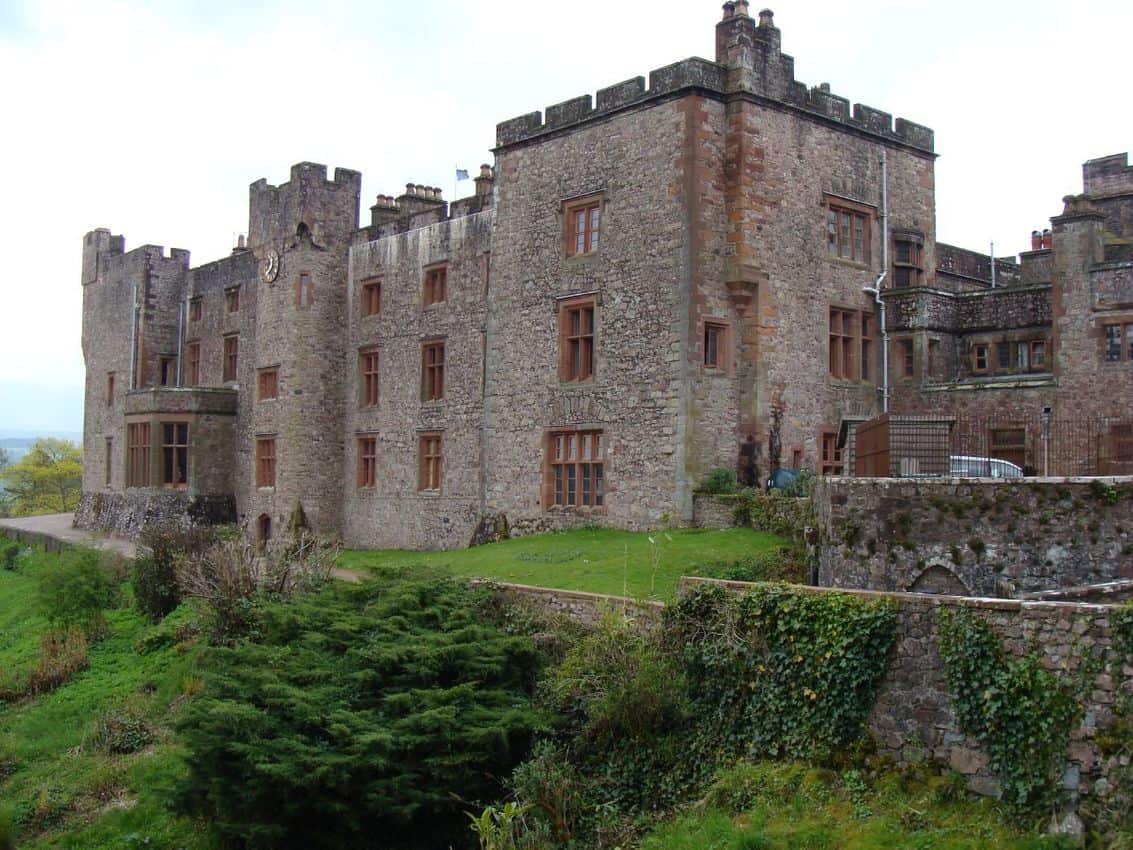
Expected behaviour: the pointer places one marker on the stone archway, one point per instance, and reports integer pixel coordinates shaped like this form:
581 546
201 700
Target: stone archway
938 580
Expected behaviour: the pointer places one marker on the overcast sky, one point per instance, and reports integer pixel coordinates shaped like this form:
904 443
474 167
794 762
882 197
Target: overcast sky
153 118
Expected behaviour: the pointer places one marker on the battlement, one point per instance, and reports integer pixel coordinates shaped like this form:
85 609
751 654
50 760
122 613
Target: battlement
1109 175
328 208
103 251
749 61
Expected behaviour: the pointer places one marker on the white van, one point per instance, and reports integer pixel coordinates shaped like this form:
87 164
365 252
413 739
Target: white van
983 467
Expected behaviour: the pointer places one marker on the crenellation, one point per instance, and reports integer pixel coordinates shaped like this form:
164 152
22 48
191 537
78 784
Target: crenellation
874 120
915 134
620 94
568 112
829 105
688 73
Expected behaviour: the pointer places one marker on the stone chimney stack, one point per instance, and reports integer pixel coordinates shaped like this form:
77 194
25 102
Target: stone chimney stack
485 181
735 34
384 210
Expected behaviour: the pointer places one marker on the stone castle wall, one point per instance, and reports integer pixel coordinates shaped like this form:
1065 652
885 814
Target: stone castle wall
974 537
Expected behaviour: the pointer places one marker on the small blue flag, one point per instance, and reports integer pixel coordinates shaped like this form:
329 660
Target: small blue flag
461 174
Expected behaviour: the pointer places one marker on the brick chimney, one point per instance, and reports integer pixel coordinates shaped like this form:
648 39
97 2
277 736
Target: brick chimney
1036 241
384 210
1047 240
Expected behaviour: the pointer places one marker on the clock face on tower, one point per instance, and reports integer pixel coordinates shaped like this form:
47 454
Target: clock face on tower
269 266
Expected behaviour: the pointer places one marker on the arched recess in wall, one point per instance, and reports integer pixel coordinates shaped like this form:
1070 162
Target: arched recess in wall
939 581
263 531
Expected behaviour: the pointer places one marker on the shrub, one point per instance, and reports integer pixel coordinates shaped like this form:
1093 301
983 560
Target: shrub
719 482
784 564
120 731
616 683
7 827
232 577
378 709
154 577
551 783
62 655
75 589
9 552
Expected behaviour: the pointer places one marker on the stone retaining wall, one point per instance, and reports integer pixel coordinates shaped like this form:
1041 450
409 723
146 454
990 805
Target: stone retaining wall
128 514
985 537
913 719
585 608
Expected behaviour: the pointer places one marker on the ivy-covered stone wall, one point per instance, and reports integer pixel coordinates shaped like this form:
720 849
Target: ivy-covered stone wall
915 719
974 537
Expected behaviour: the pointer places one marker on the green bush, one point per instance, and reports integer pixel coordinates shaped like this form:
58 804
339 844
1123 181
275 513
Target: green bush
383 709
616 683
154 577
75 588
785 564
9 552
719 482
7 827
120 731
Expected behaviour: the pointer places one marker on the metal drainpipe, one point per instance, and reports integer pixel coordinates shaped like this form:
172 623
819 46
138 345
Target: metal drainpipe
180 337
875 290
134 340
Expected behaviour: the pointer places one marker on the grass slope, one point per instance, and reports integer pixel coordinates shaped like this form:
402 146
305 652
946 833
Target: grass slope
67 795
598 560
797 807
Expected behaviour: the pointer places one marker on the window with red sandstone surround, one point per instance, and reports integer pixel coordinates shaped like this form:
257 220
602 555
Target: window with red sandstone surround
168 370
193 362
1119 343
231 356
436 281
908 358
367 461
848 230
716 346
842 331
174 454
137 454
109 389
232 299
195 309
265 461
979 357
581 226
575 470
432 371
368 368
908 260
831 455
109 459
576 339
371 298
267 384
430 462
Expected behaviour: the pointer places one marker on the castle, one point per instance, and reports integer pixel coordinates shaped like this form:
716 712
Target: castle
717 268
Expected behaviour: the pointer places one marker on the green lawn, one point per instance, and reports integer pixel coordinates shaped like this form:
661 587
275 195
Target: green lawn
594 559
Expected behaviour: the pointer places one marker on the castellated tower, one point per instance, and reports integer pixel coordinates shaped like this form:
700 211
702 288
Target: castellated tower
299 233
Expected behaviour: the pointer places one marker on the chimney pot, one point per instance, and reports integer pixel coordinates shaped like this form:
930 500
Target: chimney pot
1036 240
729 10
766 18
486 171
825 87
240 243
411 188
